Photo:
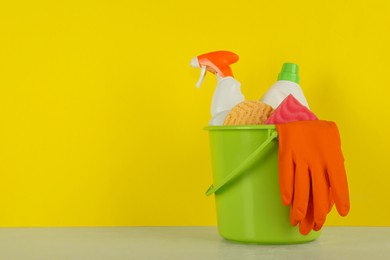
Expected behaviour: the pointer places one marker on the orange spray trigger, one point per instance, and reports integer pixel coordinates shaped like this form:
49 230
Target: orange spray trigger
227 93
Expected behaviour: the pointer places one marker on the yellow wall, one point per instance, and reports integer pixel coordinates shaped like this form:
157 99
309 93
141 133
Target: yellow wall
101 124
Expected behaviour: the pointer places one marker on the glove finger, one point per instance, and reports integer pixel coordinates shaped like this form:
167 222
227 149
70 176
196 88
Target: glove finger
307 223
336 173
286 177
331 200
301 191
318 226
293 221
320 190
339 184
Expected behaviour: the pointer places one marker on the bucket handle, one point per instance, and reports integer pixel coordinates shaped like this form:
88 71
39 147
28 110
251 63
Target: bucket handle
247 162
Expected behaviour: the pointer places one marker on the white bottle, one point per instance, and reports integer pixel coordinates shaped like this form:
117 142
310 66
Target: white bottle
288 83
227 93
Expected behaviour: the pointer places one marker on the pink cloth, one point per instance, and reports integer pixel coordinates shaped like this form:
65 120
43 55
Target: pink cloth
290 110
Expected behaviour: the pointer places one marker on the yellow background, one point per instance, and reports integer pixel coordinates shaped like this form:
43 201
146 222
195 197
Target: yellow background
101 124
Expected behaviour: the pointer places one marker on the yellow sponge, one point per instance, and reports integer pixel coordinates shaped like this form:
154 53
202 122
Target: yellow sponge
249 112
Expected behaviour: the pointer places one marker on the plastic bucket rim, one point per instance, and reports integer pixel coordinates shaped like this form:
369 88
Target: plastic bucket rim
240 127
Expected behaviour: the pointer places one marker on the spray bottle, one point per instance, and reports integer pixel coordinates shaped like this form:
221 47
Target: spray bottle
288 83
227 94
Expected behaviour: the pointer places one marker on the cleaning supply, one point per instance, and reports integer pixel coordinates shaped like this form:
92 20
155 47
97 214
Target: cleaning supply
246 187
307 223
248 112
288 83
290 110
311 168
227 94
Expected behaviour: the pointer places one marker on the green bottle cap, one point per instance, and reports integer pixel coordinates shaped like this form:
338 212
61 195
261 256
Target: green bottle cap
289 72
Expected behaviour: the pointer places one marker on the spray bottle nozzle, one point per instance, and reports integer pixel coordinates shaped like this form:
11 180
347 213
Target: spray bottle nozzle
217 62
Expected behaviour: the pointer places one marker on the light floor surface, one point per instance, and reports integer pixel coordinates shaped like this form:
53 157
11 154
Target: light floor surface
187 243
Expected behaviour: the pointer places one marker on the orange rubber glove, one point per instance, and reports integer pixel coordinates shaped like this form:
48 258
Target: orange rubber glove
311 172
307 223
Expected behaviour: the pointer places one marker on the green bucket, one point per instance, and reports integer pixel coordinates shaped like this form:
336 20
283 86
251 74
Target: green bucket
246 186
